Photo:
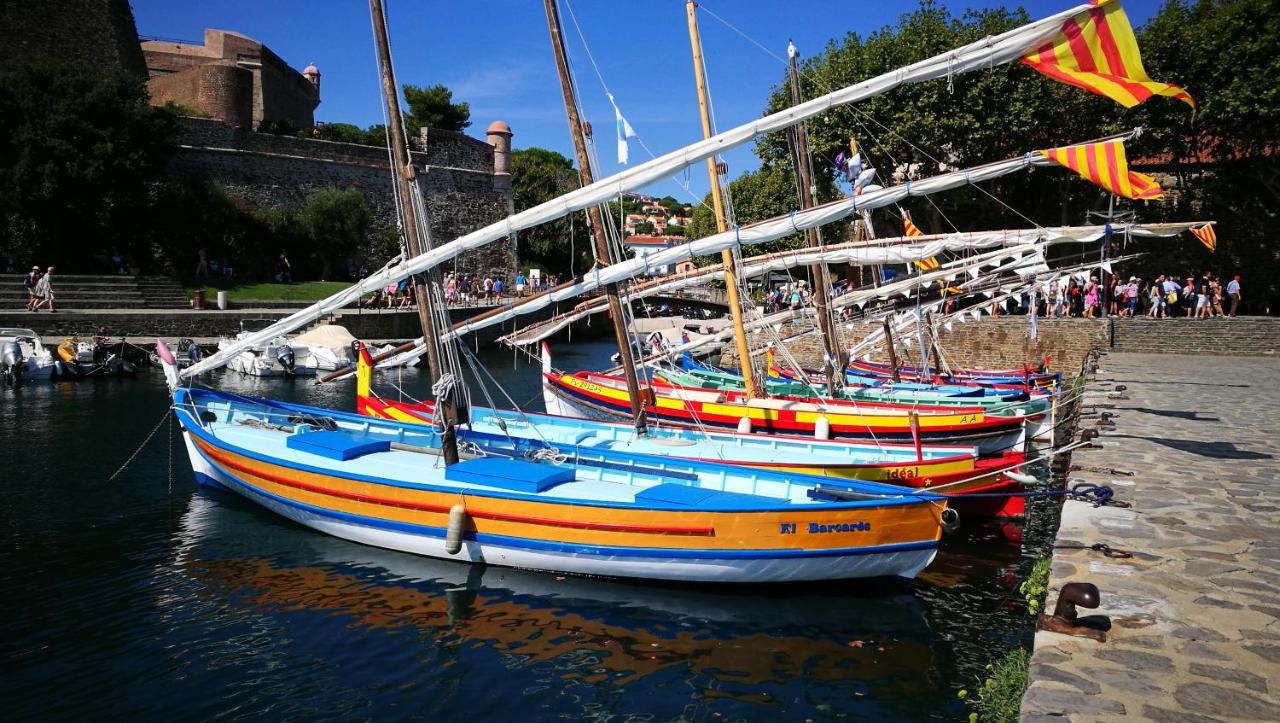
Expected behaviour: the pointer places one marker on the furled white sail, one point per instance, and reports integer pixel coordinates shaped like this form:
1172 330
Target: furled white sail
854 253
985 53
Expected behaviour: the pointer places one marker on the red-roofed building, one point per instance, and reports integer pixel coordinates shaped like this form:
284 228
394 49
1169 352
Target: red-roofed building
645 245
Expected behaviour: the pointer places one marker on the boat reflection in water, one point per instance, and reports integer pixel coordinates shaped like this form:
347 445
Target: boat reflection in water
756 645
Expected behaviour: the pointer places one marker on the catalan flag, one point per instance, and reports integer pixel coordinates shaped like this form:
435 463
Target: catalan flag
1105 164
1207 237
1096 50
910 231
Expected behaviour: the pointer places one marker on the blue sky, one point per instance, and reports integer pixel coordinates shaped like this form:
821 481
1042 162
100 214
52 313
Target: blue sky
496 55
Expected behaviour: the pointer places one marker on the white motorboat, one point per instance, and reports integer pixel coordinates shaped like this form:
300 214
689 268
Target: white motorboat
278 357
24 356
330 344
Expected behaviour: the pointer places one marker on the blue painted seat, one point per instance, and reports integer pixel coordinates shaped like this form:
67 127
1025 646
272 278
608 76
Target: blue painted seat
336 445
670 494
508 474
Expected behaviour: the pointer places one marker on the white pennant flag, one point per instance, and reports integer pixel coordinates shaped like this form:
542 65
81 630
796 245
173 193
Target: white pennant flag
625 133
947 326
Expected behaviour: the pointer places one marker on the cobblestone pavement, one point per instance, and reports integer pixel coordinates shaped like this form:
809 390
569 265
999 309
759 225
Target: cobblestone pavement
1194 633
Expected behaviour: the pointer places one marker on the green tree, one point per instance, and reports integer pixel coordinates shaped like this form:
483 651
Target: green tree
433 107
675 229
1222 162
77 154
644 228
539 175
755 196
335 221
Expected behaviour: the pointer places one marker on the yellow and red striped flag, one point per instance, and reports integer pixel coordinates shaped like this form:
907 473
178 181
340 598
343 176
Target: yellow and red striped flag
1106 165
910 231
1207 237
1096 50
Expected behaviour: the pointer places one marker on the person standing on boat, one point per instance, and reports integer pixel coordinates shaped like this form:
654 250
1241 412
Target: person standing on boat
31 282
44 291
1233 291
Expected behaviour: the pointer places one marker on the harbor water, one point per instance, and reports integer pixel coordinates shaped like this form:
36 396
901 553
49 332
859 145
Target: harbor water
145 596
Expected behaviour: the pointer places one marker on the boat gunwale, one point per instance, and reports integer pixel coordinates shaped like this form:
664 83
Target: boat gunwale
905 497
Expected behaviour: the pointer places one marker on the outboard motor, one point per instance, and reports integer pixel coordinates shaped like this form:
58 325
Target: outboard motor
11 362
285 358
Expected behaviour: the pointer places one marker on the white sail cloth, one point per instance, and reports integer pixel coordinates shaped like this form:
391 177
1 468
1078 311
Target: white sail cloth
983 54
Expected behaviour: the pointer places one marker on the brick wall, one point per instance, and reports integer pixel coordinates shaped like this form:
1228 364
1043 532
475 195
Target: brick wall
1004 342
989 343
263 170
219 91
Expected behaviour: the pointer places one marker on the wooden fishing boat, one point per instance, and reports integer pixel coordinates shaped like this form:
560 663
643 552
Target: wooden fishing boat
587 394
1036 409
1028 377
979 488
604 513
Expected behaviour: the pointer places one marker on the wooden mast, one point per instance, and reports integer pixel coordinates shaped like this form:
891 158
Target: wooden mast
726 256
799 137
404 179
893 354
597 223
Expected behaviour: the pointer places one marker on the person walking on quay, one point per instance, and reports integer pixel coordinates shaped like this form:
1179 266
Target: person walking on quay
1215 291
1203 303
32 282
44 291
520 282
1091 298
202 263
1131 295
1233 291
1169 305
1189 296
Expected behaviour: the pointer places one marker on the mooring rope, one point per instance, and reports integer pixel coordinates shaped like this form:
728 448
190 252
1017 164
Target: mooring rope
136 452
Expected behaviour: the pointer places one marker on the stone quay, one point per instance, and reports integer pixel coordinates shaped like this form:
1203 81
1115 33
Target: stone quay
1193 614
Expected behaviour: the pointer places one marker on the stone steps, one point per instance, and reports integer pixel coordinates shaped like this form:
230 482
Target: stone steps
84 291
1242 335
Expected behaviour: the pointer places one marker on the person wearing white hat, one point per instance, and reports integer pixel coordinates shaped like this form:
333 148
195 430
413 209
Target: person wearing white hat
30 282
1131 293
44 291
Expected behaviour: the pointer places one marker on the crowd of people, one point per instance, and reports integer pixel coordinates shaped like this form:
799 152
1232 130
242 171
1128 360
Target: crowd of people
1165 297
463 290
39 286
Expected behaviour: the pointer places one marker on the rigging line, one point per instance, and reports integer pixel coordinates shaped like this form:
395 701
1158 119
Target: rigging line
582 38
854 109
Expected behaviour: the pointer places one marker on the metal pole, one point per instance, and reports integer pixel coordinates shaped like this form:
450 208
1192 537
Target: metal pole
726 256
638 396
404 179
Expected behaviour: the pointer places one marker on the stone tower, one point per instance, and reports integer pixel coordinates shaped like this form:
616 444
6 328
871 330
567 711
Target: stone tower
499 136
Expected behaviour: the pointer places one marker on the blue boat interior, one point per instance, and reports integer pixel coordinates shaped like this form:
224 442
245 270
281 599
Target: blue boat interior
407 455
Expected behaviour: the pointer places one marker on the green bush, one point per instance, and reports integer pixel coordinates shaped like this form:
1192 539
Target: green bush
999 695
1033 589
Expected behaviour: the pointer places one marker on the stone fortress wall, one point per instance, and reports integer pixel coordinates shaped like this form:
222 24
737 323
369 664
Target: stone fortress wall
98 33
463 187
239 83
